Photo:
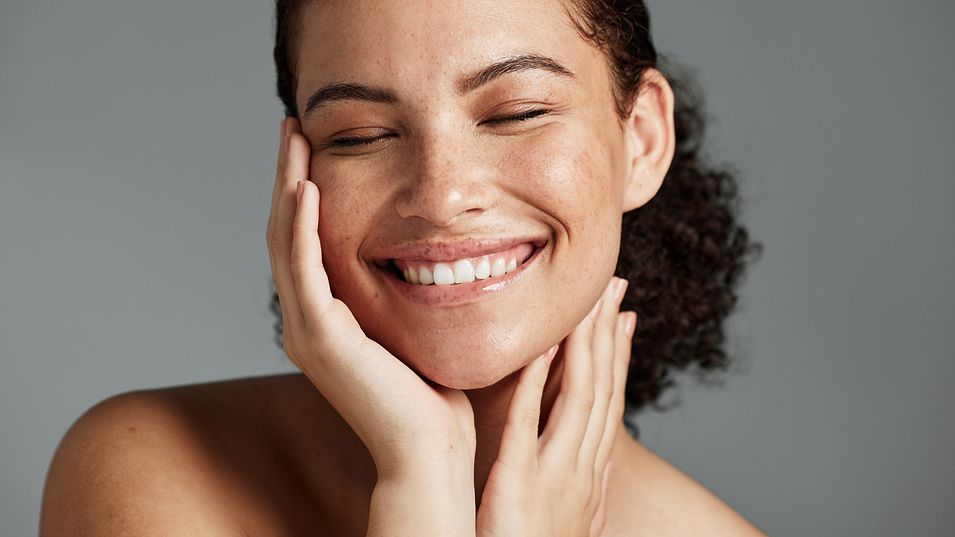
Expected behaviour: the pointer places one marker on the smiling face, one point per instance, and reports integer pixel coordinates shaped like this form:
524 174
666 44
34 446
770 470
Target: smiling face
444 172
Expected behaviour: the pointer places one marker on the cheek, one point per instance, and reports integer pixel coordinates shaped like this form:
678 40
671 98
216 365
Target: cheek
573 180
343 215
564 172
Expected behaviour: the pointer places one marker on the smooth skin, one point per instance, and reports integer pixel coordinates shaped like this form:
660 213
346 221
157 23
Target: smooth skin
551 486
270 456
406 419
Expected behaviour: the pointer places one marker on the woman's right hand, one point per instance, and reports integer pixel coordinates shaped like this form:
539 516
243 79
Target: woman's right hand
407 424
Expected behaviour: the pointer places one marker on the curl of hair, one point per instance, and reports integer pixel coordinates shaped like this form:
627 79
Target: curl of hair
684 252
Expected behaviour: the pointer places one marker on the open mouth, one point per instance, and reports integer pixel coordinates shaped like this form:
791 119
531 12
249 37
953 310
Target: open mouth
483 268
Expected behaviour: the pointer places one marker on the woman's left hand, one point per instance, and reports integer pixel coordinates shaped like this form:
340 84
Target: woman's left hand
555 485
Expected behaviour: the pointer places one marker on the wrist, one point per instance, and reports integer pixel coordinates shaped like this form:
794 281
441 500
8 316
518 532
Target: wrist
451 469
424 501
452 460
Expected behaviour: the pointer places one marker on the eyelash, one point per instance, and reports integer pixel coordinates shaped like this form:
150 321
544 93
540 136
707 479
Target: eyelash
357 142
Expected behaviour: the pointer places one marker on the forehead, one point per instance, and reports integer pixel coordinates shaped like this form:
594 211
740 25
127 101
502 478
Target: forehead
410 43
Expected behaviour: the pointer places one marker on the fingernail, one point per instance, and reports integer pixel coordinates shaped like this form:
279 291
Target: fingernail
593 312
631 323
289 130
287 134
621 287
550 355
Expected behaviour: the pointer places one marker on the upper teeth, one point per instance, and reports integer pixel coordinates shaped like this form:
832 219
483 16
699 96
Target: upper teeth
459 271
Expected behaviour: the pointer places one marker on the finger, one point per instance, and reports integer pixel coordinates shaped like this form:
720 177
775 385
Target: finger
519 439
279 234
570 414
600 517
624 341
279 172
606 328
273 211
308 274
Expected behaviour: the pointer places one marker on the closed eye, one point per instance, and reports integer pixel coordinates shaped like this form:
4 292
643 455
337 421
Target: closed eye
530 114
355 142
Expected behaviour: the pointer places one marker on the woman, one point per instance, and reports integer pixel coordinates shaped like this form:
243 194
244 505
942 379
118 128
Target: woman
453 183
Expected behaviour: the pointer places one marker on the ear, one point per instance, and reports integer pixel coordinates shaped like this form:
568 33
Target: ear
651 140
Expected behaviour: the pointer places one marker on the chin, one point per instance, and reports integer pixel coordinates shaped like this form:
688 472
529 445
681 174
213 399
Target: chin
471 358
464 374
472 380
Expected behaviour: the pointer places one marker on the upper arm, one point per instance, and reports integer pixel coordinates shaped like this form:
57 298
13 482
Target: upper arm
130 465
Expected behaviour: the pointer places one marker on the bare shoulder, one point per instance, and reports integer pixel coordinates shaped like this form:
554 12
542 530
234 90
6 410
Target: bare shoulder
172 461
662 500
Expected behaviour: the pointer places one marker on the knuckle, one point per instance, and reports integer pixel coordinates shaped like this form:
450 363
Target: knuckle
292 348
538 384
298 267
583 398
277 247
288 347
526 420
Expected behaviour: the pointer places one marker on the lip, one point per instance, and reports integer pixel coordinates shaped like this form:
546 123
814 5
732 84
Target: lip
438 251
461 293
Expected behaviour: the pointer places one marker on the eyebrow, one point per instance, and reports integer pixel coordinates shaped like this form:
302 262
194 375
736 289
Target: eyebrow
466 84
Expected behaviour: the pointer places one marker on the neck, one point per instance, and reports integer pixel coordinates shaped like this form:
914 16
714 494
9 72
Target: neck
490 405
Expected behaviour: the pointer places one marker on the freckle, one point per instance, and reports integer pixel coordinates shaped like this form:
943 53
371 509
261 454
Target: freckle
131 429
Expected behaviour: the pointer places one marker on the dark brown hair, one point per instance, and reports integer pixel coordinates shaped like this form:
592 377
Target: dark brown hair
683 252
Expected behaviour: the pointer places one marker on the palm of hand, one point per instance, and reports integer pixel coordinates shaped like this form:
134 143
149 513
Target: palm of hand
403 421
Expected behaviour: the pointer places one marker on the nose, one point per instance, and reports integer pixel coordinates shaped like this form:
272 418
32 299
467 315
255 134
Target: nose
446 184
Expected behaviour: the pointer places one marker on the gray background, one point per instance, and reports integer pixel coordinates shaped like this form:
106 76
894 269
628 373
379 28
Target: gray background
137 149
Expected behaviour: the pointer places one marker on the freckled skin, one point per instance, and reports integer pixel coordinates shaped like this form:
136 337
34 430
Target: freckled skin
272 448
448 176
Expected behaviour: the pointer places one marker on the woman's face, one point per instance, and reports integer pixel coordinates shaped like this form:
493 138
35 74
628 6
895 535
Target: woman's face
445 174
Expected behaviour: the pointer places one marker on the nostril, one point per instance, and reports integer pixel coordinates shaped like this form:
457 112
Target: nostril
442 198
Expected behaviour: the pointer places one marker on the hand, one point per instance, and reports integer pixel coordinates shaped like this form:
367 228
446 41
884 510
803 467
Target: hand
555 486
404 422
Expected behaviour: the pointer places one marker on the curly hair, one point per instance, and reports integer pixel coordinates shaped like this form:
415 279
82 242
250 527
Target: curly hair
684 252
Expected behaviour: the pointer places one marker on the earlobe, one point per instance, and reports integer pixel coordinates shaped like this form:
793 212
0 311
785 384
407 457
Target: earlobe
651 140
